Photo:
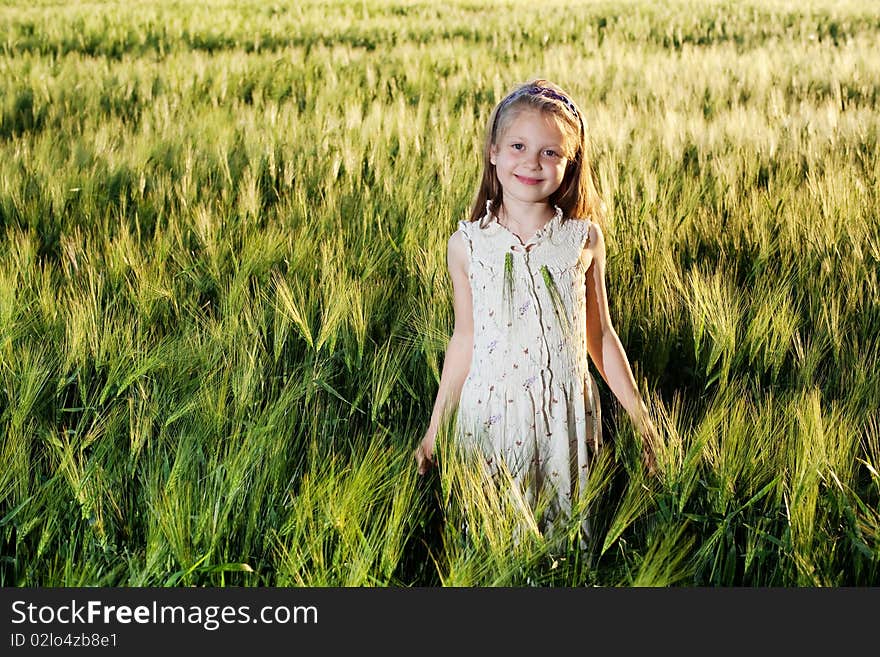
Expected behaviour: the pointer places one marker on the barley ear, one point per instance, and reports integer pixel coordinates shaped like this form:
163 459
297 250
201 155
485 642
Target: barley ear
555 297
507 292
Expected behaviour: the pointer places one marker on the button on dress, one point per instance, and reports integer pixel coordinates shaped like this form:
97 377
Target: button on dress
529 400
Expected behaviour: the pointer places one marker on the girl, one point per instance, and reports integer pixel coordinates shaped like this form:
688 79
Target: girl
528 275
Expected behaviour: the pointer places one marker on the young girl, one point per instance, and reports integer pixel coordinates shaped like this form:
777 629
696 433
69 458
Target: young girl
528 274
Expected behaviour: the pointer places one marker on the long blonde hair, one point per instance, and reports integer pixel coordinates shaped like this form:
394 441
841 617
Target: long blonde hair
578 195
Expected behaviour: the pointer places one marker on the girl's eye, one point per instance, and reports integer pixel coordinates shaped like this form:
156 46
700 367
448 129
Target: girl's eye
517 147
551 153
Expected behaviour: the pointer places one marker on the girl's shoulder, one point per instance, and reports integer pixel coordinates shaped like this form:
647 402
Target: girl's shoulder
458 248
589 241
463 230
464 237
586 229
474 228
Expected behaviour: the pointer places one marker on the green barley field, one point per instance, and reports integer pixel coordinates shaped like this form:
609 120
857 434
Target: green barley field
224 301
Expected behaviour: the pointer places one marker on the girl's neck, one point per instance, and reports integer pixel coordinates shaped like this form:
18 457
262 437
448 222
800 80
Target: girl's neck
527 216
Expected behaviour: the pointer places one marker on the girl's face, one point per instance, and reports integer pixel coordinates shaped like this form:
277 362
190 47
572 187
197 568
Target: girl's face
529 157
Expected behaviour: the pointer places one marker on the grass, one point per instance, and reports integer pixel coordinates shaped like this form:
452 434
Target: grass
224 301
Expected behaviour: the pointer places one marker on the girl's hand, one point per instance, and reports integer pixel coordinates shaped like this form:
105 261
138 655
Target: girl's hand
649 458
424 454
650 438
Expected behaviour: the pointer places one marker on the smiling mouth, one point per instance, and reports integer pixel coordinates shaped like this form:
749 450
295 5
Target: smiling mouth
527 181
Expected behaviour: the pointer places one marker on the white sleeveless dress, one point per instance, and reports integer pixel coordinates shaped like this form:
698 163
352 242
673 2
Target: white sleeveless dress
529 400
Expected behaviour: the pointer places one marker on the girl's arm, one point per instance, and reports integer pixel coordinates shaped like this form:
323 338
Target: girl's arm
606 351
457 361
